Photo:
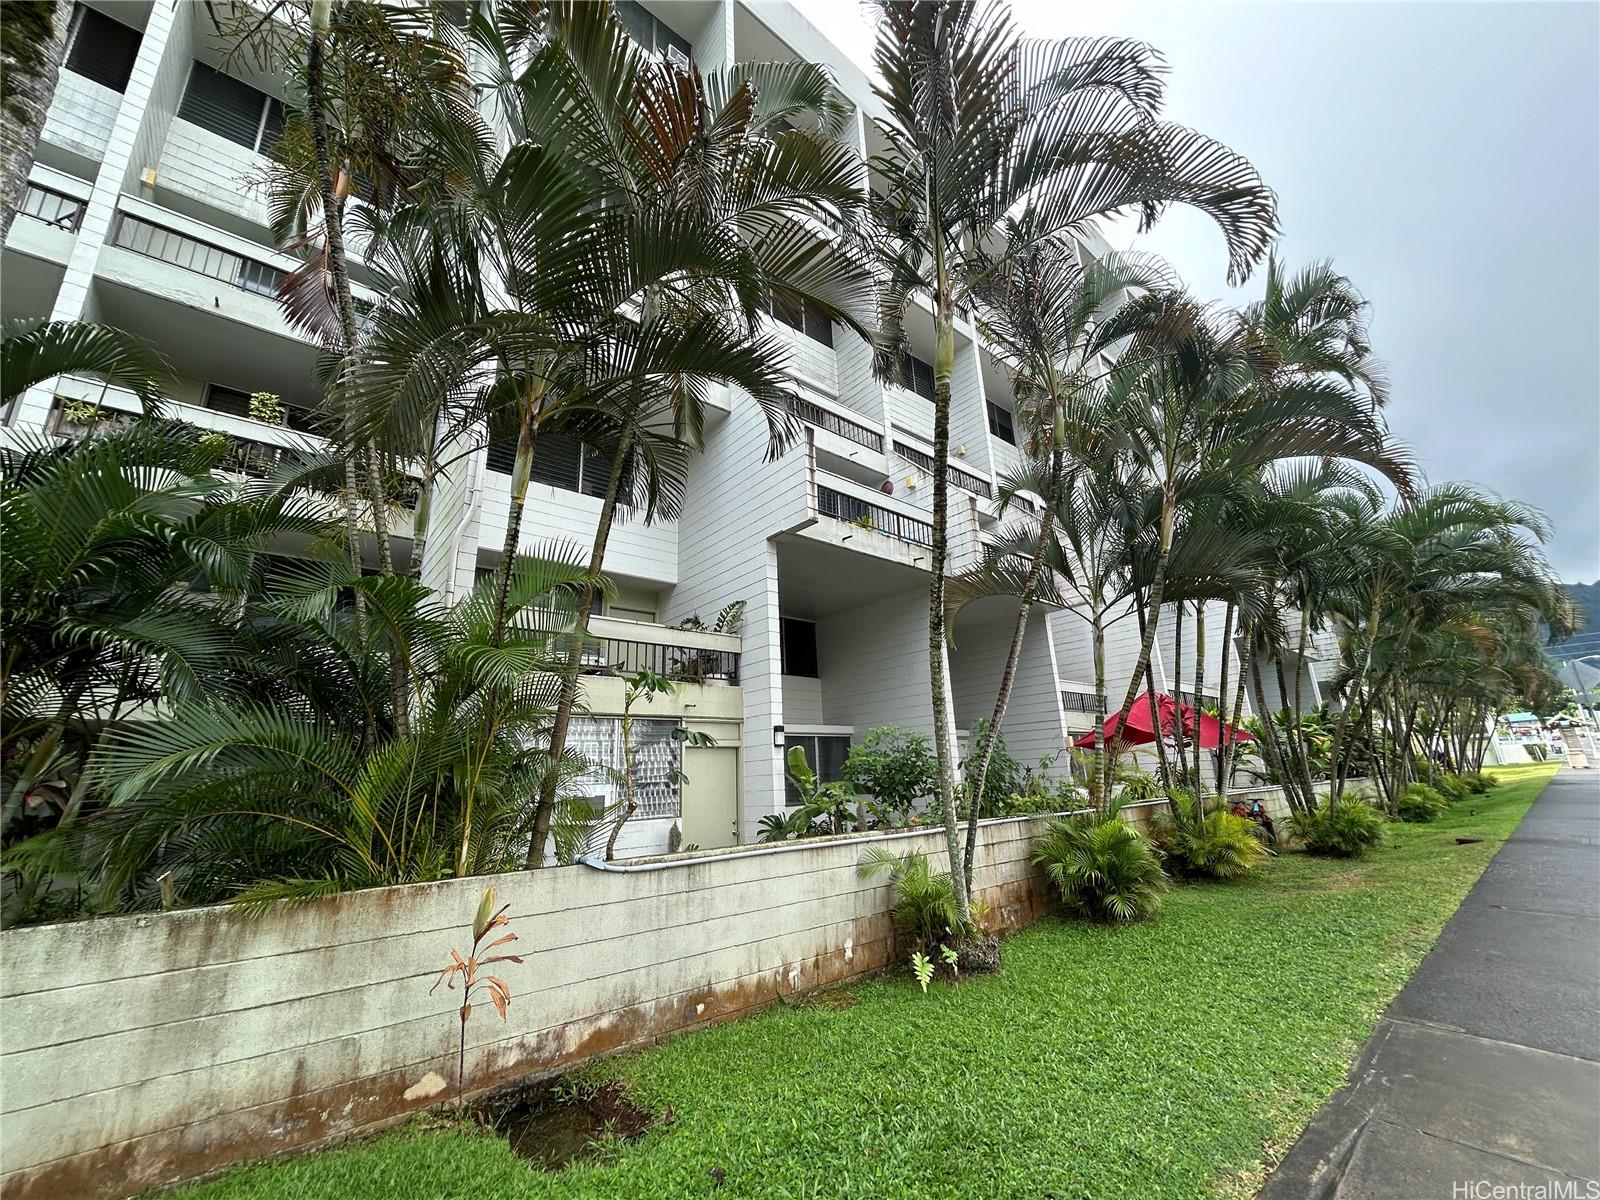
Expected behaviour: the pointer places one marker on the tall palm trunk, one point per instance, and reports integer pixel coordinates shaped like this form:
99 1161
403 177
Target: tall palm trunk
1141 667
1225 760
316 100
1199 682
1297 710
1099 796
30 63
545 810
1008 673
521 472
1290 751
1222 697
1176 685
1271 749
1338 751
945 751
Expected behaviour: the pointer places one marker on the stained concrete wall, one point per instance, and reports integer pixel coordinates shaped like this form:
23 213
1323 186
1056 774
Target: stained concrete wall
141 1050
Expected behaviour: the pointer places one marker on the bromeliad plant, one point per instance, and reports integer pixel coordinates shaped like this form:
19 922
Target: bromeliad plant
467 970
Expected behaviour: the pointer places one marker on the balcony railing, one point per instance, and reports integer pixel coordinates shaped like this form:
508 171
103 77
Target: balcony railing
244 456
56 209
1078 702
681 664
181 250
959 476
820 418
843 507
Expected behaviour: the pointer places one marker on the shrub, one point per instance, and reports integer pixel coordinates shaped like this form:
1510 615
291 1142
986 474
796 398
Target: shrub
1104 868
1478 783
1420 804
897 768
1349 831
1207 845
1451 787
924 899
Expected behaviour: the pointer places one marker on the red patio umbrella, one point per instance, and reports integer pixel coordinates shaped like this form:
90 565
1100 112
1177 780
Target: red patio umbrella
1140 728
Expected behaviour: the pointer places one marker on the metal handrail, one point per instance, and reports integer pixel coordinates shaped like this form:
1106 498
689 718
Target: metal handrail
852 509
821 418
201 257
56 209
959 476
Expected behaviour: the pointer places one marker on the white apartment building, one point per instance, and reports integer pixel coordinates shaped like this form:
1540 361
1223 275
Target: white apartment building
141 214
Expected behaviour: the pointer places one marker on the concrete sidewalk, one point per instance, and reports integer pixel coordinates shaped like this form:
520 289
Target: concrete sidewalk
1485 1071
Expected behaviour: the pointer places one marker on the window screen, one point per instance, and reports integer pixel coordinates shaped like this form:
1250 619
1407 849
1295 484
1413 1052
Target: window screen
798 647
101 49
803 316
916 375
1000 423
825 752
231 108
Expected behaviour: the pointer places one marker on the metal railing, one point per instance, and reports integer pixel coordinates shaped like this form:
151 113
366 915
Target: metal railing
181 250
681 664
244 456
843 507
56 209
820 418
1078 702
959 476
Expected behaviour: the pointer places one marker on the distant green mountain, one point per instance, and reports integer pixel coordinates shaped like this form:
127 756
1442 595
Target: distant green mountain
1586 596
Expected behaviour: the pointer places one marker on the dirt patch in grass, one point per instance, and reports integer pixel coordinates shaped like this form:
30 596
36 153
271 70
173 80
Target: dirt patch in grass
554 1125
832 999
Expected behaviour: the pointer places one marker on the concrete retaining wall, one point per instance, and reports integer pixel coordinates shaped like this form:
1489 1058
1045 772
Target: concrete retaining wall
141 1050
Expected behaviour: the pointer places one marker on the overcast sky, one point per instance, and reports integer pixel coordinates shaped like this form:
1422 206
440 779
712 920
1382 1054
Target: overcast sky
1446 157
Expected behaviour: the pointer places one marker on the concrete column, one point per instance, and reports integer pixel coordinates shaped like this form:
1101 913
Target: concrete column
761 678
72 298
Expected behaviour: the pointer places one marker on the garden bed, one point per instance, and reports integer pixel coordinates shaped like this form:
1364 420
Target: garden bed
1172 1059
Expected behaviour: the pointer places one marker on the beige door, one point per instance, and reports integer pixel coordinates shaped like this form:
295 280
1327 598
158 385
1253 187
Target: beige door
711 796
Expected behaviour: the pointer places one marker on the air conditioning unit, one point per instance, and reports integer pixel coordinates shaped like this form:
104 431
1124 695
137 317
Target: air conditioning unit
677 58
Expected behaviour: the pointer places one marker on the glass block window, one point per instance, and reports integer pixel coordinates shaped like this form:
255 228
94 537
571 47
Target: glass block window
656 757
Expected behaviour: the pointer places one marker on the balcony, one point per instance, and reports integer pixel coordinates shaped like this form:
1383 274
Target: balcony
255 448
833 501
180 250
960 476
55 209
1077 698
619 648
831 422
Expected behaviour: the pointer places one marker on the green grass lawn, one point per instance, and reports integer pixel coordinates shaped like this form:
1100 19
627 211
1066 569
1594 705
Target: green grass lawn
1178 1058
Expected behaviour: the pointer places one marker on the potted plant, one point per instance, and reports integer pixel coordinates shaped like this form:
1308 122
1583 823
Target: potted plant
267 407
85 414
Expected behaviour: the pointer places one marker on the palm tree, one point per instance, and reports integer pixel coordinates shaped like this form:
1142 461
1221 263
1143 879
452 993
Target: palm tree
281 793
979 123
31 40
725 149
126 557
1044 312
1453 553
32 352
1202 413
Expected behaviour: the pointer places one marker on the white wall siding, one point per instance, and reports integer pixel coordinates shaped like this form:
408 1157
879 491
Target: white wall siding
209 168
81 115
1034 726
874 664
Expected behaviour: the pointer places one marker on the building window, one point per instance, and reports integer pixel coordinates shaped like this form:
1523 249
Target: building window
231 108
797 644
916 375
801 315
565 463
100 48
1000 423
825 752
656 776
652 34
